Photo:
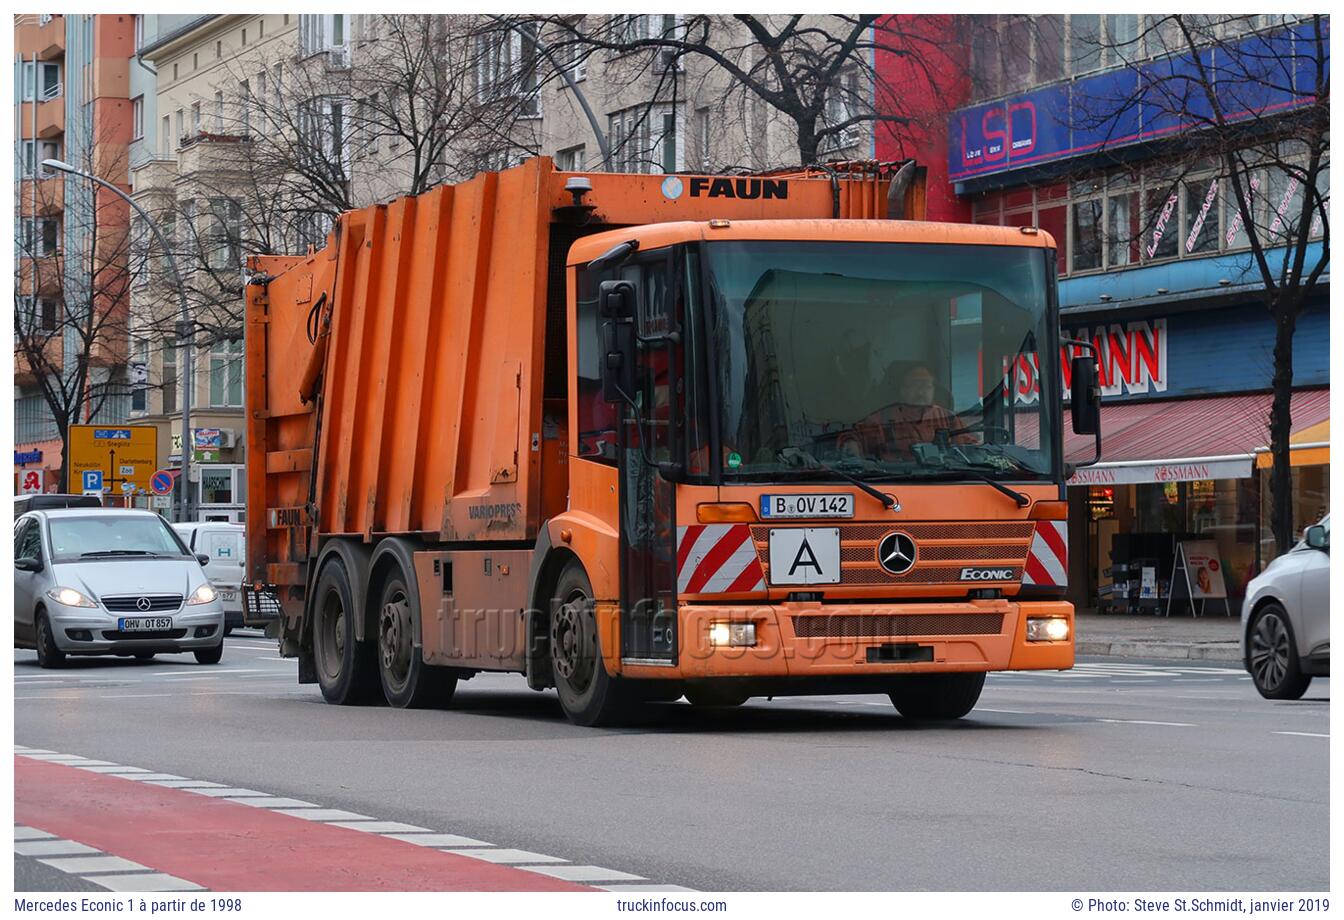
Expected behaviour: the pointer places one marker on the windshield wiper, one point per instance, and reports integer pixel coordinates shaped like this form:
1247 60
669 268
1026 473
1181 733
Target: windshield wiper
886 500
119 552
953 473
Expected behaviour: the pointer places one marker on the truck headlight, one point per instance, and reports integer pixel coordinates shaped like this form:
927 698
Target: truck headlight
732 634
1047 629
203 595
69 597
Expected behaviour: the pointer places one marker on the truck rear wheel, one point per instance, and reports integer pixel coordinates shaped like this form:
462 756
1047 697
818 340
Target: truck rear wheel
408 683
937 697
344 666
588 694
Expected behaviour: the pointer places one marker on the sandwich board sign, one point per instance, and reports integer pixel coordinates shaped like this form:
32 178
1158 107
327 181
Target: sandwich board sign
1197 576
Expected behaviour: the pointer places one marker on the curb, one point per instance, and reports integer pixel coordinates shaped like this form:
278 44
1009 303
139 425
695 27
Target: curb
1219 651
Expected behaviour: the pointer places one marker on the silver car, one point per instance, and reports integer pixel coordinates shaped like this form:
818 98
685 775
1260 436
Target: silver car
1285 619
110 582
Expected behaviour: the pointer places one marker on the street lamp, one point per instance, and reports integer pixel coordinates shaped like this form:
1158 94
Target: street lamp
183 325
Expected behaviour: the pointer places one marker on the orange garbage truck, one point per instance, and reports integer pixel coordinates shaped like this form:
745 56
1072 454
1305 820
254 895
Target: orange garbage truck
639 437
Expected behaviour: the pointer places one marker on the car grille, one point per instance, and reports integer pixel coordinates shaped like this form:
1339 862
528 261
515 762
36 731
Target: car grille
157 603
144 634
942 550
849 626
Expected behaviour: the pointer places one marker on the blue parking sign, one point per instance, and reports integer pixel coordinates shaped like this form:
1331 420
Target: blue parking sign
93 481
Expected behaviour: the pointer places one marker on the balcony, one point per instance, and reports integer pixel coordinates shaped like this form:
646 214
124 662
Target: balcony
43 196
43 33
51 117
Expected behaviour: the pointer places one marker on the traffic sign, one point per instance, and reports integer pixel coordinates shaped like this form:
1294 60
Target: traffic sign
127 454
93 482
162 501
31 482
161 483
128 486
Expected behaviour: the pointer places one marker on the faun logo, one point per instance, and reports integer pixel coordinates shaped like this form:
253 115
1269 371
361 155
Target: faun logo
706 187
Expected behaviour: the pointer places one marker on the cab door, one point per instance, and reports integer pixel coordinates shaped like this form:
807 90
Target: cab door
651 433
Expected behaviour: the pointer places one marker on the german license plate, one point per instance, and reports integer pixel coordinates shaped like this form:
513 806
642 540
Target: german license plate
808 506
228 597
144 624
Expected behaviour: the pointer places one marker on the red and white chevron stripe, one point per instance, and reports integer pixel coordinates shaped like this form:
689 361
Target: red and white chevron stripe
717 559
1048 558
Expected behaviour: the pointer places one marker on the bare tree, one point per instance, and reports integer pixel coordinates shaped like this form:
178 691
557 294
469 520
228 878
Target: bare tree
72 288
1255 106
815 72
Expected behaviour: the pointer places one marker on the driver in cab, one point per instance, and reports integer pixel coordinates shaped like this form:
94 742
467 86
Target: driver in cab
891 432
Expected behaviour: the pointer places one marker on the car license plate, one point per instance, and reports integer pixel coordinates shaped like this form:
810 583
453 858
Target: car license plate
808 506
228 597
144 624
805 556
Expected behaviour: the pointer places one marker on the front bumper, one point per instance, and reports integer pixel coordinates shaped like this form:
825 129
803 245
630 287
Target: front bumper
197 627
837 640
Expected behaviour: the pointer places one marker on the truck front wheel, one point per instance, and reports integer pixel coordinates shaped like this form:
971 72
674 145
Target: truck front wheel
344 666
937 697
408 683
588 694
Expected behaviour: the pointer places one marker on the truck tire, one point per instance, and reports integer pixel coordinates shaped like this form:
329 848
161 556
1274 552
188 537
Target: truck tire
588 694
344 667
937 697
408 683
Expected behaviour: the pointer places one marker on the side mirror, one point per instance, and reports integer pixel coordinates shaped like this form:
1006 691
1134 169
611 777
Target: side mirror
616 300
1317 537
203 559
1085 396
28 564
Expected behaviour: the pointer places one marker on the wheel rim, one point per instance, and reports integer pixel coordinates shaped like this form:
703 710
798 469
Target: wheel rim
1269 651
571 643
394 638
330 645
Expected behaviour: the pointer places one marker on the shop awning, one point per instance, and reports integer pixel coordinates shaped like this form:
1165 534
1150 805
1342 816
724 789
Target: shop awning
1309 446
1213 437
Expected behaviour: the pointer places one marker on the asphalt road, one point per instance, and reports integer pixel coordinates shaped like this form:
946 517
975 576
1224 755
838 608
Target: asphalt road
1118 775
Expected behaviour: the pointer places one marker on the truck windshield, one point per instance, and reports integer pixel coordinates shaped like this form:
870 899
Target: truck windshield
887 361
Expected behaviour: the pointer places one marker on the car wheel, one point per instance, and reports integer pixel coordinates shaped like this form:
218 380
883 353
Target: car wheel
588 694
345 667
48 655
210 655
144 656
937 697
1272 656
408 683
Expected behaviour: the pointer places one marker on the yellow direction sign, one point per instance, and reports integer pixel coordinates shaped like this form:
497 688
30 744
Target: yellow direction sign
126 455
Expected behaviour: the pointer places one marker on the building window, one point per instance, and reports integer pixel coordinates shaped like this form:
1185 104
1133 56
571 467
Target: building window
702 138
169 377
321 32
219 111
261 28
570 159
195 119
217 485
29 158
139 32
175 71
323 129
138 118
38 315
225 252
226 373
181 127
219 50
166 140
41 237
643 139
1011 53
506 68
41 80
33 420
138 374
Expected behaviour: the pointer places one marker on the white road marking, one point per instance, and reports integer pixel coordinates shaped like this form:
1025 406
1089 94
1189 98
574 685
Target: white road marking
1302 734
141 777
31 833
321 814
270 801
154 881
381 827
220 792
506 857
438 840
583 873
111 768
52 848
184 784
82 865
1148 722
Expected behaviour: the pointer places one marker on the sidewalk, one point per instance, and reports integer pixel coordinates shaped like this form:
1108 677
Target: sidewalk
1208 638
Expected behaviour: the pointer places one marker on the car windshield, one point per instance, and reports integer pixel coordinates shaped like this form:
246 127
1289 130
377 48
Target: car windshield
111 537
888 361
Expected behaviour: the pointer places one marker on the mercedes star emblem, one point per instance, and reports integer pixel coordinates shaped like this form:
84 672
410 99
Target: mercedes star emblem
142 603
896 553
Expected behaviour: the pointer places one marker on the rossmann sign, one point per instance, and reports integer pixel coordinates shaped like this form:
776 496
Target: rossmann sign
1133 361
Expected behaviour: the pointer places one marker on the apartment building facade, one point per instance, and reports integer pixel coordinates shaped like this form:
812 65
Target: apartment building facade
72 253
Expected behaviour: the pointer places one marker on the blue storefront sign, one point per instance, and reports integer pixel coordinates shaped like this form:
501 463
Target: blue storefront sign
1130 106
27 456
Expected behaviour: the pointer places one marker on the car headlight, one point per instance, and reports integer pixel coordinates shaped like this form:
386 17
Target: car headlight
203 595
1047 629
69 597
732 634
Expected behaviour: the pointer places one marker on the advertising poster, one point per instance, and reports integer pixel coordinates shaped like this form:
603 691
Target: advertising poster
1206 570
